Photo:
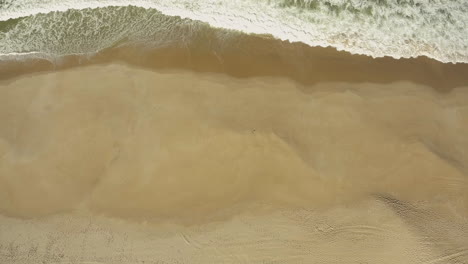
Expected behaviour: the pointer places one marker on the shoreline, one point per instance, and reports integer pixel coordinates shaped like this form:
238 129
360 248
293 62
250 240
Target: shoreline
359 30
255 55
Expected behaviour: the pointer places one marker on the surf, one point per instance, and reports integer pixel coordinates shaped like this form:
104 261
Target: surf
394 28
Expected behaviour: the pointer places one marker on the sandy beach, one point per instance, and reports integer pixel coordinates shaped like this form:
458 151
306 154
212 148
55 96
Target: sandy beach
221 131
195 156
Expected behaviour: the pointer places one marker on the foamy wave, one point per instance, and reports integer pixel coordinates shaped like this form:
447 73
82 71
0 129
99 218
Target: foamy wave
396 28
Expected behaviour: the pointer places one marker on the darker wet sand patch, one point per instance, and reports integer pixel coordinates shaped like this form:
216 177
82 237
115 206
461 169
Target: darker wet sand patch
248 56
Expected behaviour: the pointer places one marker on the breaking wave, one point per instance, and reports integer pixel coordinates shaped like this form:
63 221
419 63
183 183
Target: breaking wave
398 28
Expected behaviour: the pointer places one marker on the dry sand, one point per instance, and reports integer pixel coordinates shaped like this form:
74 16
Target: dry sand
120 164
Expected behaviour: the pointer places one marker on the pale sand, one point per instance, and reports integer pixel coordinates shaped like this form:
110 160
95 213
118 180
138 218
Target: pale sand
117 164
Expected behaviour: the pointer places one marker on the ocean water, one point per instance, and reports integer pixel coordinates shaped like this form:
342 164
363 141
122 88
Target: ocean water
397 28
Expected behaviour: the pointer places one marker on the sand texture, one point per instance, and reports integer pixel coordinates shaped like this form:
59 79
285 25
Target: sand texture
120 164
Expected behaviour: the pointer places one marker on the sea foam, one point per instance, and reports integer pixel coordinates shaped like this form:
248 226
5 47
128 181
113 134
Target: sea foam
397 28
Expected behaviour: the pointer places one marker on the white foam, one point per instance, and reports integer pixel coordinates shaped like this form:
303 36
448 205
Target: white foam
438 29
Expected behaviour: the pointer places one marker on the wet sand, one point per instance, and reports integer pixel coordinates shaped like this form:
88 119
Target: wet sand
143 163
245 56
